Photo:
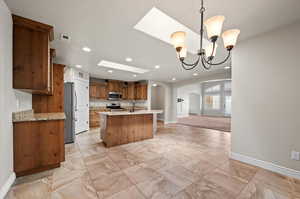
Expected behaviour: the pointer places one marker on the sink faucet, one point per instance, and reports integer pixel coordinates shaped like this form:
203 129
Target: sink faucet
133 106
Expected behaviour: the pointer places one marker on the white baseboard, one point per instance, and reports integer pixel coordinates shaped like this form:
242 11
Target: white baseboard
266 165
5 188
170 122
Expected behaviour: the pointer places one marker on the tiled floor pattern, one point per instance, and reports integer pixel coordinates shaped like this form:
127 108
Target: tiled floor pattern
179 163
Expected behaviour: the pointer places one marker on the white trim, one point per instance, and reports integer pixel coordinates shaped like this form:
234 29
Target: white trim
5 188
266 165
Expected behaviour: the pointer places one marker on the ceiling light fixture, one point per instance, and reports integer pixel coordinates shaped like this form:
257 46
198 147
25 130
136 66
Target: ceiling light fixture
173 79
78 66
134 75
110 71
214 28
195 74
157 66
128 59
227 67
154 85
86 49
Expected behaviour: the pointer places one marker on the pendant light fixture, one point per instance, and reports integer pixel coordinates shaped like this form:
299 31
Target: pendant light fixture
206 55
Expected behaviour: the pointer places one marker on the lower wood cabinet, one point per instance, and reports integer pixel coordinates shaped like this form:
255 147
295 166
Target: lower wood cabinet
38 146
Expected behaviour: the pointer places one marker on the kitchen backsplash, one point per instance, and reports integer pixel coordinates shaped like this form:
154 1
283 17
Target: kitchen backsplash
103 103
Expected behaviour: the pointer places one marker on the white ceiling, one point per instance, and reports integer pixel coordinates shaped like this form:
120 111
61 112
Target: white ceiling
107 27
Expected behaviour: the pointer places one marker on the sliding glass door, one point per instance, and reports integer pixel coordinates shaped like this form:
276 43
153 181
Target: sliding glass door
216 98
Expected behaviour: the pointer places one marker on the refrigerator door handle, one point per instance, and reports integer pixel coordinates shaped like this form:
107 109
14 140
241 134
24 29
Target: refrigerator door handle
76 102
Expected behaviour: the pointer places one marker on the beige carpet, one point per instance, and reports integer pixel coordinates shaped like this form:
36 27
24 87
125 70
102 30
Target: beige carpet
216 123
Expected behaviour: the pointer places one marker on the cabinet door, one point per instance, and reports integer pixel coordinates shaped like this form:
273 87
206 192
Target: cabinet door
51 142
125 92
26 142
144 91
31 56
102 90
138 92
93 91
131 91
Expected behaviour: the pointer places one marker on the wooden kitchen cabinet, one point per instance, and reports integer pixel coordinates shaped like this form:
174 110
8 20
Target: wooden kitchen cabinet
93 91
98 90
102 90
125 93
131 91
51 103
141 91
114 86
38 146
31 55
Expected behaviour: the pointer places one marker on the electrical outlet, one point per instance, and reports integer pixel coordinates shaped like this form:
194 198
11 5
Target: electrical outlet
295 155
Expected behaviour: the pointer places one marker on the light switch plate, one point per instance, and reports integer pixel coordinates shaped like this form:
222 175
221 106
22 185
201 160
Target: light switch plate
295 155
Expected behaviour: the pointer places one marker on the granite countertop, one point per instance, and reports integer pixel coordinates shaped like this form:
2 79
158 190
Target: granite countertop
139 112
30 116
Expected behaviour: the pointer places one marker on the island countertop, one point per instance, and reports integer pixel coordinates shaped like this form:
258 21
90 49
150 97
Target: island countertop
139 112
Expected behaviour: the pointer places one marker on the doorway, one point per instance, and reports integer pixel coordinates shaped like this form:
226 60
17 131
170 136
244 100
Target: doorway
216 98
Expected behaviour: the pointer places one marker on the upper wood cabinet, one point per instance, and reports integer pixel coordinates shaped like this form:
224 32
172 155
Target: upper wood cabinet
141 91
31 55
125 91
98 90
115 86
131 91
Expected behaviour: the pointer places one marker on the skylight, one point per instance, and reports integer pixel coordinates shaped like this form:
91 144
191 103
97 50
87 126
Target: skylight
123 67
160 26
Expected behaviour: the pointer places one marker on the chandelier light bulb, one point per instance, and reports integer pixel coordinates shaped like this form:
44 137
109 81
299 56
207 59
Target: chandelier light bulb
178 40
230 38
214 26
182 53
209 50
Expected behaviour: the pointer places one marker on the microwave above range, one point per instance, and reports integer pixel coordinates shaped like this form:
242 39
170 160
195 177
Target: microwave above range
114 96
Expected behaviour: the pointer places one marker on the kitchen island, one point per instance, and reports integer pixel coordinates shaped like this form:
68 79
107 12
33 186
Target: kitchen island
124 127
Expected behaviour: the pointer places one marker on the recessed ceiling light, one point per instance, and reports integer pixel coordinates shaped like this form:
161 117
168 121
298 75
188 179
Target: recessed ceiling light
134 75
157 66
86 49
173 79
227 67
78 66
154 85
123 67
128 59
195 74
110 71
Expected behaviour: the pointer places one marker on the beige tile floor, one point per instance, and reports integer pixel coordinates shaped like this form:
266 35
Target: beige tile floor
179 163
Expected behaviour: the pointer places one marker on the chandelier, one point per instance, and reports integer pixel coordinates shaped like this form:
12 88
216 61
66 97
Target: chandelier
206 56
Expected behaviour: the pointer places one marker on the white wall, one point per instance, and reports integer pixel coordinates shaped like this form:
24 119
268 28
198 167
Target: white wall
195 100
10 100
266 97
6 95
158 100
